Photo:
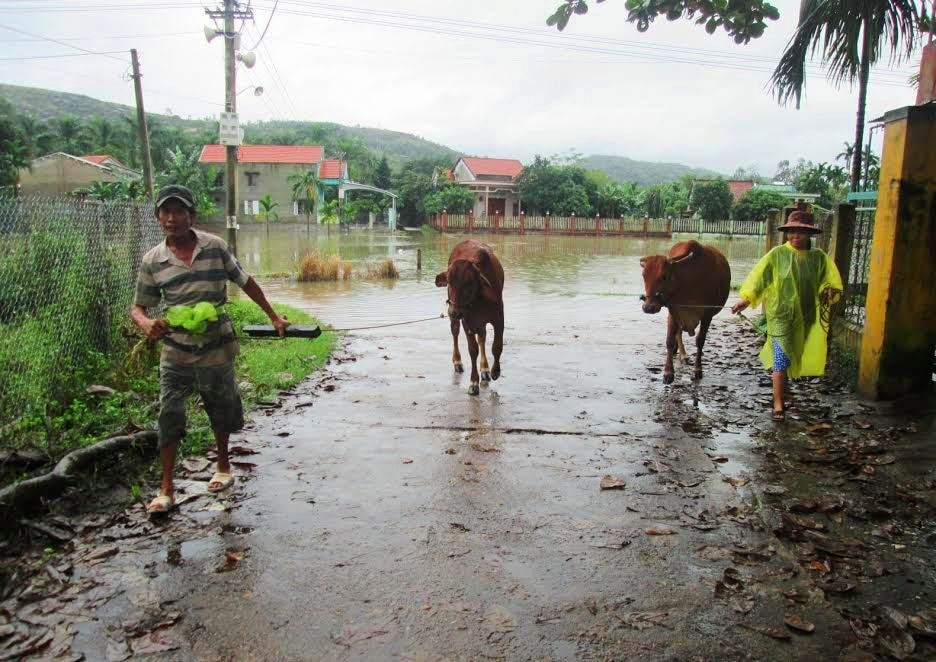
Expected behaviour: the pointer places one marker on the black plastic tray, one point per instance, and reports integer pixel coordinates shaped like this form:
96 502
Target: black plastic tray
292 331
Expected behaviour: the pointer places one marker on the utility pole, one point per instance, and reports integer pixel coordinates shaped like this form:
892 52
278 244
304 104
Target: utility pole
142 132
230 12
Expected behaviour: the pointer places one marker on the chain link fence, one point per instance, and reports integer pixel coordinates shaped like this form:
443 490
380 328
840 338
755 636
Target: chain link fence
67 274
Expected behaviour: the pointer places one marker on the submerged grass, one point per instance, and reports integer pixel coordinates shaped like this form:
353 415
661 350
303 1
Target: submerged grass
385 270
313 266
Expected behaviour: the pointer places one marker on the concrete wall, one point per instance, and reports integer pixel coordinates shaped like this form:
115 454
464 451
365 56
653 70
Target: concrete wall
255 180
59 175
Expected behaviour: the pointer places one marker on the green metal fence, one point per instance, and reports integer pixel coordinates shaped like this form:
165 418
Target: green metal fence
67 273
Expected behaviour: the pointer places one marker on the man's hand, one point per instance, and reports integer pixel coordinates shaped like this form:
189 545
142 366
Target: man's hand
154 329
280 325
738 307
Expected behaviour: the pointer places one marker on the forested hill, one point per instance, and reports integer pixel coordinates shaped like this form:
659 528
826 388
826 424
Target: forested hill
48 105
645 173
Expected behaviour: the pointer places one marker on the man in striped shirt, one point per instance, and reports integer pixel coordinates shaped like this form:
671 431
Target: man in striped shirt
191 267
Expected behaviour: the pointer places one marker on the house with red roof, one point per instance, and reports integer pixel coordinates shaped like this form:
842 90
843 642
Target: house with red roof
265 170
60 173
494 183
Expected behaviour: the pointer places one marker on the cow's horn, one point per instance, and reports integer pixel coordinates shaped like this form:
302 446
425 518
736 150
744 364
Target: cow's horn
683 258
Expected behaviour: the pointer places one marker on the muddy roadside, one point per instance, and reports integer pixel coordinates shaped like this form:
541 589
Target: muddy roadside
577 509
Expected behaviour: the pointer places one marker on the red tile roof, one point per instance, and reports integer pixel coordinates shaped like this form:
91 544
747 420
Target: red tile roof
331 169
98 158
303 154
739 187
493 167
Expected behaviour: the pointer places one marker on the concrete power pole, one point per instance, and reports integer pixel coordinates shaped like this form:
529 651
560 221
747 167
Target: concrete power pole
141 127
230 12
230 105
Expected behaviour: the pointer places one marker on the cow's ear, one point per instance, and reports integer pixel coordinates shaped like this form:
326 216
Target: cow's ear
683 258
442 279
483 257
643 262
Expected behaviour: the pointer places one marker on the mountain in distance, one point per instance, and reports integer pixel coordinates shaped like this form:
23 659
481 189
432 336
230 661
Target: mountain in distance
48 105
645 173
397 146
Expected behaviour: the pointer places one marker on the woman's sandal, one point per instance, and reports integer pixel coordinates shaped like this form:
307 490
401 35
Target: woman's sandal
778 415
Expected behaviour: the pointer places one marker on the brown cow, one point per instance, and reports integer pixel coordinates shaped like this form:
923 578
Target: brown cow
475 281
693 282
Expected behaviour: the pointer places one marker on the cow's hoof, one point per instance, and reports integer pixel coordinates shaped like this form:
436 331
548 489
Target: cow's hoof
459 367
485 376
495 372
697 375
474 389
667 378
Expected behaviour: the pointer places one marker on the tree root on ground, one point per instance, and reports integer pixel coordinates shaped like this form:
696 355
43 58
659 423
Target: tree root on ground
27 493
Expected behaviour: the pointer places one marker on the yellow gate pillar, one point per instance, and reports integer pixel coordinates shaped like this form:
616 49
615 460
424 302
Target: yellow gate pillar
900 327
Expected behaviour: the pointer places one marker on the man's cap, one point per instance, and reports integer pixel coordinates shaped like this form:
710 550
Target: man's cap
180 193
800 220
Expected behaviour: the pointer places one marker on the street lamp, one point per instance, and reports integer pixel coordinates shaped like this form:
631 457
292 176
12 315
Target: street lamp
258 90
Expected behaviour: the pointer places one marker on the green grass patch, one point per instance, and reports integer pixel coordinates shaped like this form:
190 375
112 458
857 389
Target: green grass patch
426 230
75 418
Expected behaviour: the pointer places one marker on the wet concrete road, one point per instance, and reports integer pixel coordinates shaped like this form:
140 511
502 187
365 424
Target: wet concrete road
398 517
390 515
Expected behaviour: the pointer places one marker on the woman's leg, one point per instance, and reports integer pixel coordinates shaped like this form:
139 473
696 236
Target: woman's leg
779 387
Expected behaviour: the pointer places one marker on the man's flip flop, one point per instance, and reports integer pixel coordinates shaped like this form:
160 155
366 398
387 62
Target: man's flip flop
160 505
778 415
221 480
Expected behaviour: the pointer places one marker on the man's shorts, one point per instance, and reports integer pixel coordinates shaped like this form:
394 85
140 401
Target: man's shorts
781 362
218 390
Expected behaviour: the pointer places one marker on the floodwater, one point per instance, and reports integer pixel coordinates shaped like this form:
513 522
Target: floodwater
550 281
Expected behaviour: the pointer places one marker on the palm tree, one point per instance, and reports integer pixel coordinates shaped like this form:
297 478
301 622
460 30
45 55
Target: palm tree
71 135
305 186
268 211
847 154
849 35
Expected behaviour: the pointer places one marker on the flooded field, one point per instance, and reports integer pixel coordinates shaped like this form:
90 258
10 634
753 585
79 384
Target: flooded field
550 281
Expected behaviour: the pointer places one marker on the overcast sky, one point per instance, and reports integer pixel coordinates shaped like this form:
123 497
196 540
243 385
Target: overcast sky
485 77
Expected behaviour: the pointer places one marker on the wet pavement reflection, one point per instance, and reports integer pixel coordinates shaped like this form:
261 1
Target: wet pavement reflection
576 509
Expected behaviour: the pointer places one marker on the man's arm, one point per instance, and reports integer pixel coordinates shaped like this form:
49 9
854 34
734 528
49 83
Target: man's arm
153 329
253 290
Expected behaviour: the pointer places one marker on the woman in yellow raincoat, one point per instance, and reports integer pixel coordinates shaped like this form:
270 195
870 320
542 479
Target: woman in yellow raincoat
794 281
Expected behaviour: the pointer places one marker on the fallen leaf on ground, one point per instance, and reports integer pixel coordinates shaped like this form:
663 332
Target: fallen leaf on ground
407 460
770 632
249 466
242 450
196 464
102 553
659 531
737 482
641 620
657 467
819 428
609 482
484 448
799 623
154 642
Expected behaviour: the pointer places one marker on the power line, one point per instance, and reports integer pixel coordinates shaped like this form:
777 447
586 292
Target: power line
509 34
151 35
270 65
269 20
47 57
61 43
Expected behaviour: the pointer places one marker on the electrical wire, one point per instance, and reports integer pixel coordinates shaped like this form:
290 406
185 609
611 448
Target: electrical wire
267 27
508 34
47 57
60 43
151 35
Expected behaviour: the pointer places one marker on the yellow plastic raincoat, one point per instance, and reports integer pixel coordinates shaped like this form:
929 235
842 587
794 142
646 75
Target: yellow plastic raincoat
789 282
